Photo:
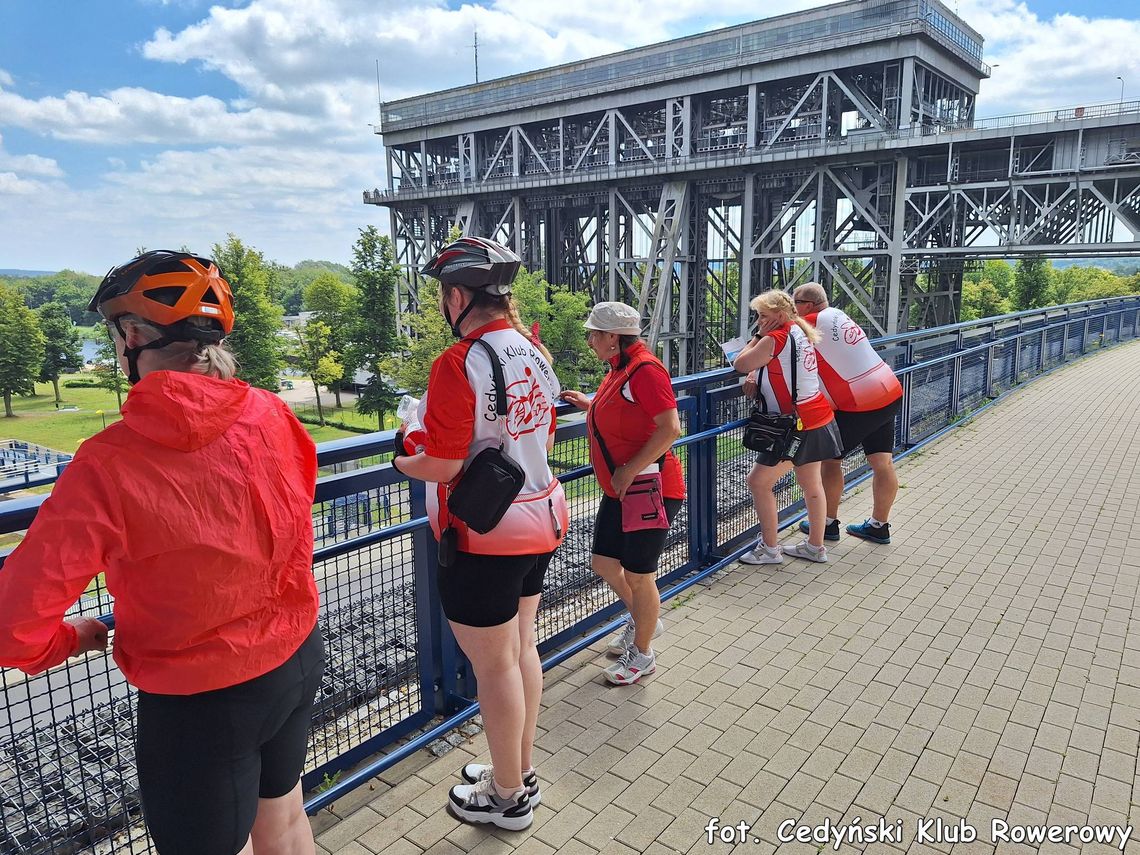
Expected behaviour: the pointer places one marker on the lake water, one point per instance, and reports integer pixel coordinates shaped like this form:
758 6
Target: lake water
90 350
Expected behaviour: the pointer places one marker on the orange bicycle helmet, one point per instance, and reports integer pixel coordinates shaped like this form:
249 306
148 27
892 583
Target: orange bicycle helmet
183 295
167 288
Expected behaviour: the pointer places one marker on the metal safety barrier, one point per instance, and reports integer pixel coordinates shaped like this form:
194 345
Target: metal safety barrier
67 774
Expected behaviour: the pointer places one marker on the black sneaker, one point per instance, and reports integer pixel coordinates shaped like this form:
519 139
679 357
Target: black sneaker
473 773
830 531
480 803
873 533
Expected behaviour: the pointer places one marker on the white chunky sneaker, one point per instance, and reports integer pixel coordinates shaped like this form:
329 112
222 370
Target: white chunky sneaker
480 803
473 773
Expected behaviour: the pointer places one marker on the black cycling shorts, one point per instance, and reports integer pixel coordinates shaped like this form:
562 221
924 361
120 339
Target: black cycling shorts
205 759
484 590
874 429
638 551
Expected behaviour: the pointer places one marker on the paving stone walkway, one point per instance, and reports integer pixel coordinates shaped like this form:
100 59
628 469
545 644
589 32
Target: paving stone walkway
985 666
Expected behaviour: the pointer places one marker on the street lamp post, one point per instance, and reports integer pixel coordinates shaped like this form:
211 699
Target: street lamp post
1121 79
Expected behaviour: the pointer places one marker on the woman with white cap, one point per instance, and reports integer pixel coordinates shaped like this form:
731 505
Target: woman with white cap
633 422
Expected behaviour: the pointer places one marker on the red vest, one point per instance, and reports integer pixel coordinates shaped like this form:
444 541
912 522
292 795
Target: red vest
626 426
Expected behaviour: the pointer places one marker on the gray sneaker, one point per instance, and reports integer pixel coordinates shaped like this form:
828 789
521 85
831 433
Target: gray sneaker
632 666
803 549
473 773
763 554
621 640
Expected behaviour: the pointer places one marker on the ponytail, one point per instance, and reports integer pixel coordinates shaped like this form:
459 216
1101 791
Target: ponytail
515 321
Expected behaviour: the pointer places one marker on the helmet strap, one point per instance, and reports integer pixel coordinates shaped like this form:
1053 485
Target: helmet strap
132 353
455 325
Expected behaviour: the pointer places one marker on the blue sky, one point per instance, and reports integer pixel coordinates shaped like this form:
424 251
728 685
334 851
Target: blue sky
127 123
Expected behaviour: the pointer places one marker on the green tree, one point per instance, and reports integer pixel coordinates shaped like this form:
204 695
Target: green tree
1031 283
62 348
108 374
374 337
257 320
316 358
430 336
334 301
998 273
982 299
21 348
1076 284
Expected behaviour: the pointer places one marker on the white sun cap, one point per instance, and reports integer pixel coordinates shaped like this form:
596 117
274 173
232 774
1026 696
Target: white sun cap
614 318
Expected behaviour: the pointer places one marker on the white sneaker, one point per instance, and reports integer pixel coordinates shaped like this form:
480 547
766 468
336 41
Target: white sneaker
803 549
632 666
763 554
480 803
621 640
473 773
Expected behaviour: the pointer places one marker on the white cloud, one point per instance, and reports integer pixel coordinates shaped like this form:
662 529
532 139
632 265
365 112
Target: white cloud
29 164
1044 64
13 185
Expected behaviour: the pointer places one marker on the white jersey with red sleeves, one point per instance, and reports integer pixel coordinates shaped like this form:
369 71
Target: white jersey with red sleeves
855 378
459 418
776 379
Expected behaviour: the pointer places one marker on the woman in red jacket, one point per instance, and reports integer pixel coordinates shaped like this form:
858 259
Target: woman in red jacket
632 421
197 506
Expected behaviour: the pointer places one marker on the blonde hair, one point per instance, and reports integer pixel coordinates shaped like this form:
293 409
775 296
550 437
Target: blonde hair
780 303
212 360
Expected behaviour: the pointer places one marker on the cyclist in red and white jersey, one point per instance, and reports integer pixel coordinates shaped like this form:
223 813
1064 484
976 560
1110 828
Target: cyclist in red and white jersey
867 398
771 349
491 587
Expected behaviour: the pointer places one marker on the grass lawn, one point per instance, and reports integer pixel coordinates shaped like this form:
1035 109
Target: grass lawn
38 421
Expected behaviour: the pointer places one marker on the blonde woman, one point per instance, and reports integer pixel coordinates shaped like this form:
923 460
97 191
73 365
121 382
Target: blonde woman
198 508
782 332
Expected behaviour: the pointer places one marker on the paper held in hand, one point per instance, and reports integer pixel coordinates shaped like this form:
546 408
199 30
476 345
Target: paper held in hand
733 346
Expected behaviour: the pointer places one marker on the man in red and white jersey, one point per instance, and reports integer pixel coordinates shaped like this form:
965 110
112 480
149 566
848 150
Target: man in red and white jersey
867 398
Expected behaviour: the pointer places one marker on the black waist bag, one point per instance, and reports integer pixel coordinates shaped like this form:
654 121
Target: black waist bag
494 478
770 434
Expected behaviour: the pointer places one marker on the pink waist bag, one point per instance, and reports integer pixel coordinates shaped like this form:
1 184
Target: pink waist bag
644 506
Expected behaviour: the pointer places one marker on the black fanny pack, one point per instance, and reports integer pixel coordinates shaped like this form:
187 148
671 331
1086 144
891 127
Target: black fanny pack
494 479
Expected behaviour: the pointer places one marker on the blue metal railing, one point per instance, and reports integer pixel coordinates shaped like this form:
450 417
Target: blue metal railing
67 779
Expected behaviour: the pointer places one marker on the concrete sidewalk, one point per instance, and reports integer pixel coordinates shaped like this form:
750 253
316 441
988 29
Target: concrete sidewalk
985 666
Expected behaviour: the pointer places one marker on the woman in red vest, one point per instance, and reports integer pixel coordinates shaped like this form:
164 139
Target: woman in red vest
632 424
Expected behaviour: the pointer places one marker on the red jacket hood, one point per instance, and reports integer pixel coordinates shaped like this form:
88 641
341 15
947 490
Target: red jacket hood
184 411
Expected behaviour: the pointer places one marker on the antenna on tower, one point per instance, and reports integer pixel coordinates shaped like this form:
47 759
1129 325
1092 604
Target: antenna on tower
379 101
476 54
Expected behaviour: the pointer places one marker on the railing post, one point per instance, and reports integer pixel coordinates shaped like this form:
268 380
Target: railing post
956 379
990 370
435 644
1085 335
1044 344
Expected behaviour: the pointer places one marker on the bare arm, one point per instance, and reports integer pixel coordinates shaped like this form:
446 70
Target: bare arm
424 467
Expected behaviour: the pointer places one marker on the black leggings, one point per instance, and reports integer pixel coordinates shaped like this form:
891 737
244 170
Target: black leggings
205 759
